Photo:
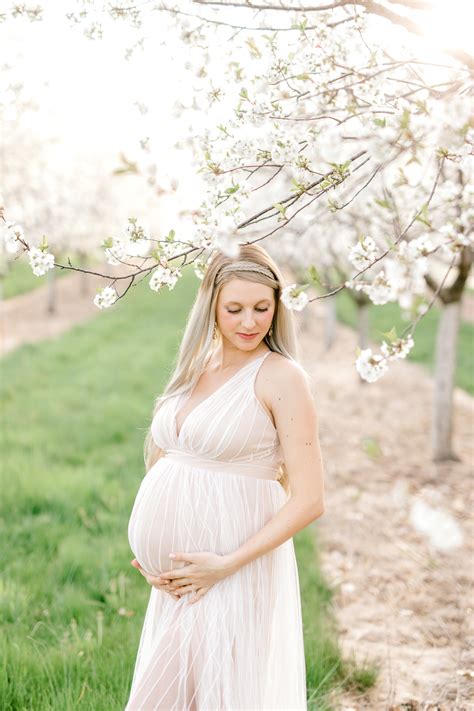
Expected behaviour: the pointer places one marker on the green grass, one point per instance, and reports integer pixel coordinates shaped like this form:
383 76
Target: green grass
75 411
382 318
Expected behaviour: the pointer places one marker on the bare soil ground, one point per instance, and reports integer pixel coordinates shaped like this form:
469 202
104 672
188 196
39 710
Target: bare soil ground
25 318
399 603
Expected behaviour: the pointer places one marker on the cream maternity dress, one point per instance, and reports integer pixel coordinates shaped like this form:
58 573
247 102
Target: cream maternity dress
241 645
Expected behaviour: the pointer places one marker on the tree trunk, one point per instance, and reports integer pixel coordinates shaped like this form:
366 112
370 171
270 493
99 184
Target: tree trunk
363 324
51 306
330 322
445 369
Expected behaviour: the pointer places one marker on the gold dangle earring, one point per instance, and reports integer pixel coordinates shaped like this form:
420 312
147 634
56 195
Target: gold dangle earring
270 330
214 333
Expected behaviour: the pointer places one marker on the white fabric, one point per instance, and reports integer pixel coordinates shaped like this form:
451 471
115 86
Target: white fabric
240 647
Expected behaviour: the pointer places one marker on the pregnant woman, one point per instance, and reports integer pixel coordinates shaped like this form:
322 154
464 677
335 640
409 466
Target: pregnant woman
234 470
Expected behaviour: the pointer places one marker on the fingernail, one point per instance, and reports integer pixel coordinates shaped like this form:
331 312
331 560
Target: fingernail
172 555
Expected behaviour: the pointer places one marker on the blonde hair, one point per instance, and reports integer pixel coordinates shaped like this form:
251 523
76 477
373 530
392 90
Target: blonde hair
253 263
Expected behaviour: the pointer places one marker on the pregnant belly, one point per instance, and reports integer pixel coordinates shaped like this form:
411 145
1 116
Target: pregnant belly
181 509
155 525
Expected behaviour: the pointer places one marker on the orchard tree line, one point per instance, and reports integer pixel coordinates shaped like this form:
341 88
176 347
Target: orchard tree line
327 133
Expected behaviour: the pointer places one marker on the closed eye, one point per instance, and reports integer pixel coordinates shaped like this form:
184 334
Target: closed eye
262 311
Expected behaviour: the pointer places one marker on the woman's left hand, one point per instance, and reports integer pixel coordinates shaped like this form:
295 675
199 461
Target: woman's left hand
204 570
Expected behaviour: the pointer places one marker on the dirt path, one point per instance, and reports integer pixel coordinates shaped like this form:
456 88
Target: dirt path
25 318
398 602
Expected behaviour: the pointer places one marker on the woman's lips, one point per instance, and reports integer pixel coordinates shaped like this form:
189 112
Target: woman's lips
247 336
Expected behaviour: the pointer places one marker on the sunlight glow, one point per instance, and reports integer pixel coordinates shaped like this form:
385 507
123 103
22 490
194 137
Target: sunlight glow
449 24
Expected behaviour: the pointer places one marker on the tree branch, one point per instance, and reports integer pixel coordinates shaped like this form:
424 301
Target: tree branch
370 6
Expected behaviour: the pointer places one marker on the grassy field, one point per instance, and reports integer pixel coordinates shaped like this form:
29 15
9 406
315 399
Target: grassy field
75 410
382 318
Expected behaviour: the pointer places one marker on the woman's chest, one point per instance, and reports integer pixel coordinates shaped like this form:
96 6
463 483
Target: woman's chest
227 427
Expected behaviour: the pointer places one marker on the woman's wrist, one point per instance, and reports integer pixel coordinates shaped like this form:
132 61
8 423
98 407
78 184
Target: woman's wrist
231 563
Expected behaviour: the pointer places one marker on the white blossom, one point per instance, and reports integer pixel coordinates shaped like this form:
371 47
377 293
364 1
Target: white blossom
370 366
204 237
294 298
135 230
363 253
199 267
380 143
117 252
164 276
11 234
40 261
455 239
105 297
225 237
398 348
381 290
138 248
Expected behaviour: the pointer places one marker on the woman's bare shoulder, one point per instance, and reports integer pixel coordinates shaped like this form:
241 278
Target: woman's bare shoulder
280 372
282 365
287 390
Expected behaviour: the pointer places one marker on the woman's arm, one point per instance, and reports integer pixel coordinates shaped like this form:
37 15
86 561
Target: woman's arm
292 406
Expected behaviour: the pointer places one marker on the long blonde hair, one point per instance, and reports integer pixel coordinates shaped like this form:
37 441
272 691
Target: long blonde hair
197 339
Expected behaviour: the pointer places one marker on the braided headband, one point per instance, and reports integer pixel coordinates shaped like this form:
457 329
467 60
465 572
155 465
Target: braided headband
245 266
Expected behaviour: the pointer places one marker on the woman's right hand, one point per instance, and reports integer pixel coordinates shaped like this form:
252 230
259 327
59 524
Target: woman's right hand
161 587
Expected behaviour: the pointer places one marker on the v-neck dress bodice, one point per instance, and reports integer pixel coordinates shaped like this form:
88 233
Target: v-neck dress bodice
240 647
230 426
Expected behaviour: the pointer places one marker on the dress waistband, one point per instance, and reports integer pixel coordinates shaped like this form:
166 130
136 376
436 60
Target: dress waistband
249 468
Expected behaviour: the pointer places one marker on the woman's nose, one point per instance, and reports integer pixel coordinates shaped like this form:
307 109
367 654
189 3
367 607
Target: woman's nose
248 321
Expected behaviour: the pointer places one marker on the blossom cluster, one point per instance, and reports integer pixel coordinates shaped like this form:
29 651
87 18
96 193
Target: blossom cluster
10 235
12 238
371 366
315 137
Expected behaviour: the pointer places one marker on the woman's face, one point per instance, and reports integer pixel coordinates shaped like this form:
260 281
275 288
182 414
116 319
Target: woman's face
244 307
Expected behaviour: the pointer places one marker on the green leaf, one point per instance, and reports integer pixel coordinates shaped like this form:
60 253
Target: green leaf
383 203
405 119
371 447
281 208
390 335
302 287
314 275
156 253
254 50
127 167
423 216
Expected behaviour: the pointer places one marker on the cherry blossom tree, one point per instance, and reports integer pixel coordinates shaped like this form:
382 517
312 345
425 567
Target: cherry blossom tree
317 134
